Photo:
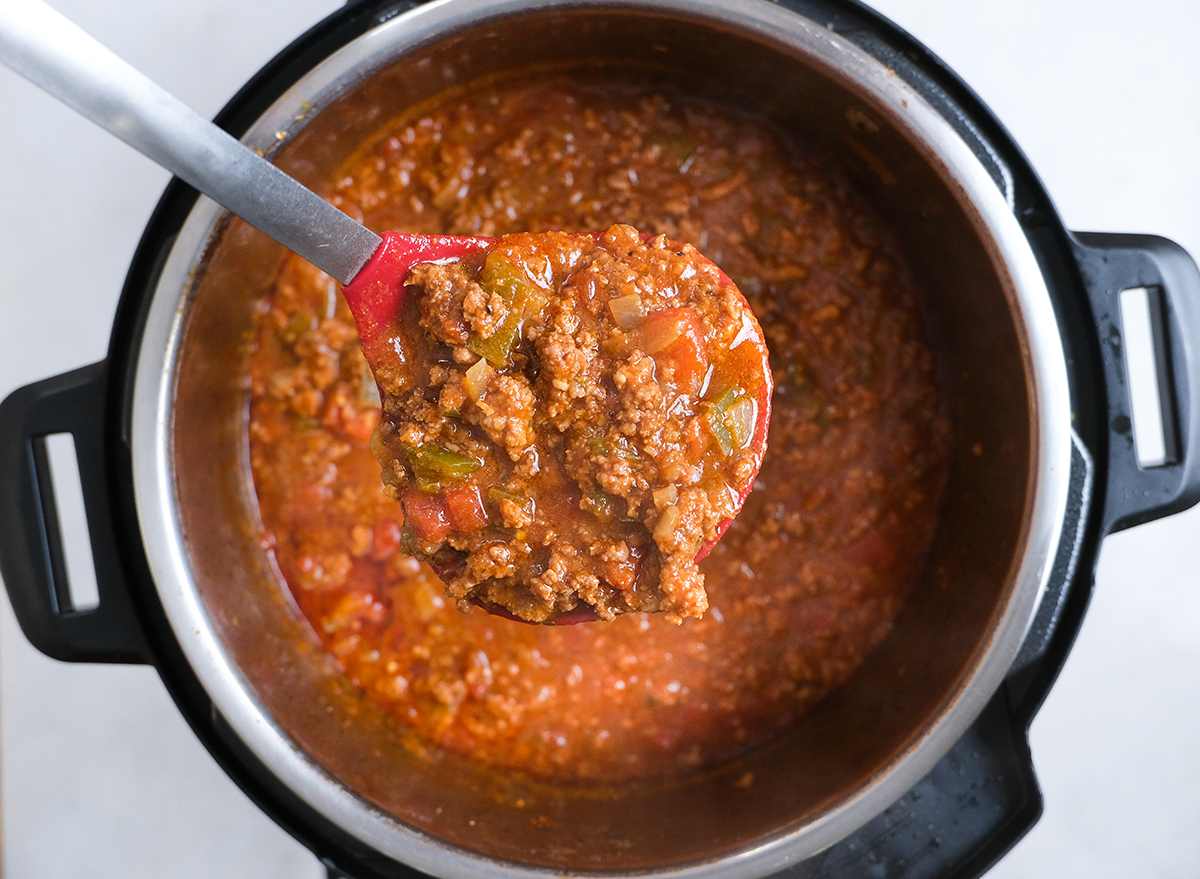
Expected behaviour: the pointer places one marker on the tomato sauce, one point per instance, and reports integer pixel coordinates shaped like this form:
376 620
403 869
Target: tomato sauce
811 573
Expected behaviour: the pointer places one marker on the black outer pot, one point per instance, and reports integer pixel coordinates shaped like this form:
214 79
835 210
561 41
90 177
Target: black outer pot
982 796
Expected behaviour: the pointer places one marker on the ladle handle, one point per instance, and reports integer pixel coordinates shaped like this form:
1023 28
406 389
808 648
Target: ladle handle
46 48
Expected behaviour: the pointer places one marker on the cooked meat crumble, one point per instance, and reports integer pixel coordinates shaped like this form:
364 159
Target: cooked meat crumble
572 420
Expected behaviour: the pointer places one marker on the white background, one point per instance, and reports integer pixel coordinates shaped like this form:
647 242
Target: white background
101 778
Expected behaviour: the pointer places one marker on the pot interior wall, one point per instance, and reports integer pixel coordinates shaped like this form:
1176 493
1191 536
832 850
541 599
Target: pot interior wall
853 735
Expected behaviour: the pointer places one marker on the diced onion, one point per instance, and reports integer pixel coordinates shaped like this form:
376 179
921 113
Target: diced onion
664 530
740 418
476 379
627 311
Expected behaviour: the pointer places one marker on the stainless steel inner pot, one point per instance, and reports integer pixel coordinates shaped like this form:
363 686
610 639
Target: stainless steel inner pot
858 750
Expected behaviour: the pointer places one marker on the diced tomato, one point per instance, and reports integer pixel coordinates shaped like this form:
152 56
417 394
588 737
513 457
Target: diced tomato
428 515
674 337
467 512
360 423
308 504
385 537
356 423
343 416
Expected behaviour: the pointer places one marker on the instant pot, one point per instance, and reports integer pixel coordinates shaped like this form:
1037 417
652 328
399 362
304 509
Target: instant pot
925 773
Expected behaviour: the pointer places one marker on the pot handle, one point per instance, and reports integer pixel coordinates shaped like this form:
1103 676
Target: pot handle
31 543
1113 263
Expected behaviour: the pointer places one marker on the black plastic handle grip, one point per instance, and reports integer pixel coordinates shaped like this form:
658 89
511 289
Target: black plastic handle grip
31 546
1109 265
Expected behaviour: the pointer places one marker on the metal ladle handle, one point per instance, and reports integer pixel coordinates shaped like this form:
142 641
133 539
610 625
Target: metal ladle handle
55 54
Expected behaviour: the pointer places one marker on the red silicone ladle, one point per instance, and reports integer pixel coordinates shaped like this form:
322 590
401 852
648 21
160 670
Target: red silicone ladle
376 294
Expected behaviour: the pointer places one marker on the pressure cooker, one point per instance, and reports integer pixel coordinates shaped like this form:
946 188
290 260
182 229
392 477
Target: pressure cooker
1029 316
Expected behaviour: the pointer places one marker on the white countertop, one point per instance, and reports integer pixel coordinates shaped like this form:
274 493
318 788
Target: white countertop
99 775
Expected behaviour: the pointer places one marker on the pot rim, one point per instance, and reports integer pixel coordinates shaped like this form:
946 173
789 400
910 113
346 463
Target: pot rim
1011 254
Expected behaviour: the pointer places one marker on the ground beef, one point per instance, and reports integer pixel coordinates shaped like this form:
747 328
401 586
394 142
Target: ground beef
599 436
